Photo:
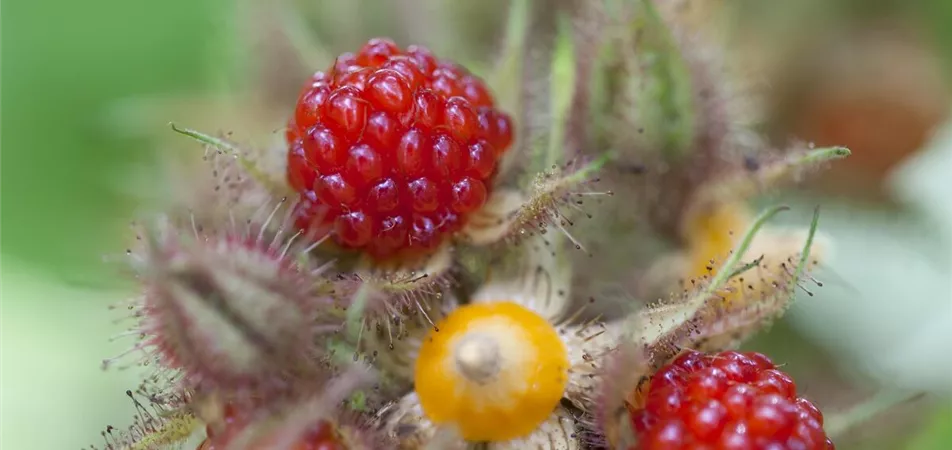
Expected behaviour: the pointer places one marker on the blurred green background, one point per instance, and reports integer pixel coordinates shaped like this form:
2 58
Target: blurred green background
882 321
63 65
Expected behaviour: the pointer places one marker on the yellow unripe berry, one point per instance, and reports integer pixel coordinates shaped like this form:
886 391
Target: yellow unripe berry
494 370
711 237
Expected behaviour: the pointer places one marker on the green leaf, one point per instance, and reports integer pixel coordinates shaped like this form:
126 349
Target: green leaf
506 79
838 424
644 93
235 151
655 324
805 253
561 91
666 102
936 434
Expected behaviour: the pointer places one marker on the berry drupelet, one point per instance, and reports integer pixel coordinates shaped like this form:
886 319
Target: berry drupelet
729 401
391 149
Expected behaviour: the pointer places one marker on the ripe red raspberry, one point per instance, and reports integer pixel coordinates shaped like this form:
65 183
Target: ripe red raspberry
729 401
392 149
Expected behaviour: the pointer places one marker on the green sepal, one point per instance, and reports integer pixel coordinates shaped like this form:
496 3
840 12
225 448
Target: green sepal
642 91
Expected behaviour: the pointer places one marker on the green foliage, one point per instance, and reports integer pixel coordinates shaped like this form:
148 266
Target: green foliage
62 72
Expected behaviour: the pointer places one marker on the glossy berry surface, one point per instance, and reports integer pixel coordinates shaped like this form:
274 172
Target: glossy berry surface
391 149
726 401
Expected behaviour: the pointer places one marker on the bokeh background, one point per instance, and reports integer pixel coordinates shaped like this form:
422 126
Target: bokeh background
88 87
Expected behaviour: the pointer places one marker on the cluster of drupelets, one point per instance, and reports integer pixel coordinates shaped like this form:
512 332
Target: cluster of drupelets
422 270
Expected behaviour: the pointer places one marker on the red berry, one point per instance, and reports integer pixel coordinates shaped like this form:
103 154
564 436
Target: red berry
496 128
346 111
364 165
393 149
428 109
447 156
300 174
444 84
469 194
383 131
376 52
291 132
354 228
667 435
665 401
771 415
356 79
423 59
707 419
344 64
671 375
727 401
482 160
391 236
737 366
335 190
423 231
424 195
460 119
448 221
776 382
384 196
312 216
309 105
475 91
413 153
738 398
809 410
390 91
324 149
406 67
735 437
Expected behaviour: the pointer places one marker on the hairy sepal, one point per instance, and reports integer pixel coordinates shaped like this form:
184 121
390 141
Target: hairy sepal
550 202
717 314
231 312
757 177
656 91
405 422
375 295
557 432
232 183
354 430
669 110
163 420
535 274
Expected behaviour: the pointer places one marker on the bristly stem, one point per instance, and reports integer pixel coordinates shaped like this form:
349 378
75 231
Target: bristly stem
776 172
725 272
355 311
561 91
747 267
805 253
507 75
882 401
681 313
825 154
745 184
586 172
206 139
231 149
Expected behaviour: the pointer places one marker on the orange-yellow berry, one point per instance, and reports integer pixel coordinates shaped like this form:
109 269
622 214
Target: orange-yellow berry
495 371
712 235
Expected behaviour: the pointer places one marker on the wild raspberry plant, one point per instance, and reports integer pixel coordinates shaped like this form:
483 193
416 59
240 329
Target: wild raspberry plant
316 294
